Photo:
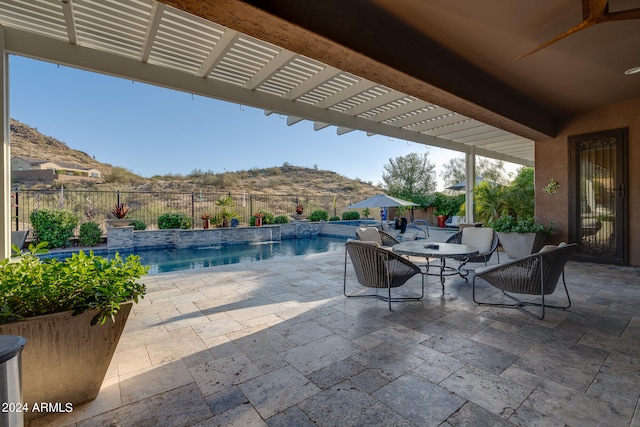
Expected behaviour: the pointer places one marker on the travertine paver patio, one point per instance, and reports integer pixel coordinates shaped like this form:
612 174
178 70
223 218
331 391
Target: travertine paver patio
276 343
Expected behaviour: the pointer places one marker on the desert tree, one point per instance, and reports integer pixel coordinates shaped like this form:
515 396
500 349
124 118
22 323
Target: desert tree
411 177
454 171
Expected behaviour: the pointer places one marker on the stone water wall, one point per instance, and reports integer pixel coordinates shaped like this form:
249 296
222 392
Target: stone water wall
126 239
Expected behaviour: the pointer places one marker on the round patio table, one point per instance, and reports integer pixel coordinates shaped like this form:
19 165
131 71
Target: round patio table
437 250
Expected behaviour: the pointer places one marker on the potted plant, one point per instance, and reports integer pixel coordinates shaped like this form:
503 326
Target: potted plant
520 236
72 313
299 213
120 211
206 218
258 218
365 213
227 213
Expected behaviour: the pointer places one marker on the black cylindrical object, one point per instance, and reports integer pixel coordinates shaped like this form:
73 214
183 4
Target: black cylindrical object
11 380
403 225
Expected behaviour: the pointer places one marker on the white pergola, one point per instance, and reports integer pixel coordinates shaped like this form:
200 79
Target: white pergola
148 41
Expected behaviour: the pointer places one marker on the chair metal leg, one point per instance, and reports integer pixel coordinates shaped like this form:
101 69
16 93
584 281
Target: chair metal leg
519 304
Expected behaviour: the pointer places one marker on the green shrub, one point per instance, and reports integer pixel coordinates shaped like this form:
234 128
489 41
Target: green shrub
281 219
139 224
350 215
173 220
509 224
31 286
267 218
90 234
54 226
319 215
334 218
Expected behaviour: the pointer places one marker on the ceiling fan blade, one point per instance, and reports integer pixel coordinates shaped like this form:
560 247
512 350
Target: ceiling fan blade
580 26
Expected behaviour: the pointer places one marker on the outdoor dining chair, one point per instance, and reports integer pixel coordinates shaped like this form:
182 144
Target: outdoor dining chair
373 234
379 269
535 274
482 238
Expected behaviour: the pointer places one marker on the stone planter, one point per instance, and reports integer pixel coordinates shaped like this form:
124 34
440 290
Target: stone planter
518 245
119 222
65 358
299 217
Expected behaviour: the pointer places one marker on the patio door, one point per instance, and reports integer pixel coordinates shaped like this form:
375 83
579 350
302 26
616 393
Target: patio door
598 199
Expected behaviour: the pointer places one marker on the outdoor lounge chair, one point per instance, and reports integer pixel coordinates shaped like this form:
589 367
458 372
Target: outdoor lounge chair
379 268
373 234
482 238
18 238
535 274
421 225
453 221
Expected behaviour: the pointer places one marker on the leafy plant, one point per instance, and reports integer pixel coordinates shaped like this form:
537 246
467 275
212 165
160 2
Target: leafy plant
54 226
120 210
227 213
173 220
90 234
299 209
447 205
267 218
281 219
510 224
319 215
334 218
138 224
366 212
350 215
32 287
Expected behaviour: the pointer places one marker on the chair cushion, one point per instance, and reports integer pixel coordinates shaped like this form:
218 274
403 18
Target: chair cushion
546 248
369 234
480 238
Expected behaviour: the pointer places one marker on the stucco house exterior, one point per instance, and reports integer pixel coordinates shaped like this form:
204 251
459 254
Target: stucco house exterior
30 170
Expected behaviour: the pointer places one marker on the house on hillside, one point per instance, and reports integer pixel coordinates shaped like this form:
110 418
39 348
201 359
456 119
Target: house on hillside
28 170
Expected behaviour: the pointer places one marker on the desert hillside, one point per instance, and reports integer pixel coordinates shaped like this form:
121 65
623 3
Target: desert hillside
284 179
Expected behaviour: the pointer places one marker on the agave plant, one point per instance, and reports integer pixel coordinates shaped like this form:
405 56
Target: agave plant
120 210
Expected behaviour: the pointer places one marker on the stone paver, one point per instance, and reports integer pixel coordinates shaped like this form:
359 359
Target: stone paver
275 343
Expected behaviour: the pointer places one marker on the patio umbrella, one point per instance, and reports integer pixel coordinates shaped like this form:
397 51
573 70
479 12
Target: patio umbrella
463 184
381 201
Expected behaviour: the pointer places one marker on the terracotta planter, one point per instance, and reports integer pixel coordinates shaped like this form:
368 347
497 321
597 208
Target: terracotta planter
442 219
205 223
258 221
65 358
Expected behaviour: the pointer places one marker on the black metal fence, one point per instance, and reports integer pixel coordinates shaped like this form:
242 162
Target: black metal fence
96 206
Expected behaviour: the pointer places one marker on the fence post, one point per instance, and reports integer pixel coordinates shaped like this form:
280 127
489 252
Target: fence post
250 206
193 210
118 197
17 210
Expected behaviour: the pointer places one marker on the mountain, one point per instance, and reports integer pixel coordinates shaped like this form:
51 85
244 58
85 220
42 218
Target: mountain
286 179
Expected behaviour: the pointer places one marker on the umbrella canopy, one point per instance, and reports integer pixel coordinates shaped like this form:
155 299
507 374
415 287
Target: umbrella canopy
463 184
381 201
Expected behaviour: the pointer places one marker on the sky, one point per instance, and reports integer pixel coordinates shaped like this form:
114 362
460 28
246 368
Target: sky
156 131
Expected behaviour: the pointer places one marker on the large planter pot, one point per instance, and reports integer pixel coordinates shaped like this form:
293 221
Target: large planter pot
65 358
442 219
518 245
299 217
119 222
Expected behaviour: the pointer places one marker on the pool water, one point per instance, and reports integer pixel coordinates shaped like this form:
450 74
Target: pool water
167 260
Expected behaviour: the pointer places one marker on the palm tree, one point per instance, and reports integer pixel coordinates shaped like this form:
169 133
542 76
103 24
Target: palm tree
489 202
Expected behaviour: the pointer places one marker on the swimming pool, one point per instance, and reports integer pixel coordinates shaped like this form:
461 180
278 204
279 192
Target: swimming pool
168 260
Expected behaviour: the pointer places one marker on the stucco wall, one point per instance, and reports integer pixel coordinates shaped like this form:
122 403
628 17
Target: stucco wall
552 161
